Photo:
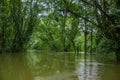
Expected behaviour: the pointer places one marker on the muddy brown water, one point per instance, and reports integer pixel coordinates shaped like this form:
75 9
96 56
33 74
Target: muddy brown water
55 66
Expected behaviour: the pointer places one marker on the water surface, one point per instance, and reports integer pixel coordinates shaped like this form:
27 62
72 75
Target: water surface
55 66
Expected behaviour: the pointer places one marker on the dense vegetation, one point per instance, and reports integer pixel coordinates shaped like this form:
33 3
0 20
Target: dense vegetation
60 25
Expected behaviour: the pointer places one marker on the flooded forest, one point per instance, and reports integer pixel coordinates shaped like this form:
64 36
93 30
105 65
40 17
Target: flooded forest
59 39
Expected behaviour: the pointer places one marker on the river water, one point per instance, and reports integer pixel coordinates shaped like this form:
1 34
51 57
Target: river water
55 66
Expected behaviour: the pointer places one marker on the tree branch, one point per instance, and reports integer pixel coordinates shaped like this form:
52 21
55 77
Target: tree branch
96 5
78 15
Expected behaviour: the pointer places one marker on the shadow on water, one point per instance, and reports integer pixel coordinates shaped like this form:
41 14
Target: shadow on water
55 66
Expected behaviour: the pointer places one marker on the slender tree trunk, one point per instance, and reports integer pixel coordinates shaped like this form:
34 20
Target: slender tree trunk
85 35
91 35
85 41
91 38
63 37
63 31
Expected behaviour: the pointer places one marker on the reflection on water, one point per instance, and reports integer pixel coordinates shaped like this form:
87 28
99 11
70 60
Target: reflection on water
88 71
54 66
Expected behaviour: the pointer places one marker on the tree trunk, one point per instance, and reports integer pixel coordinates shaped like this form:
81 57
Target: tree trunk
85 42
91 35
63 31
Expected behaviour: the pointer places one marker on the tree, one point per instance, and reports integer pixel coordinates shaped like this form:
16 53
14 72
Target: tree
18 18
100 14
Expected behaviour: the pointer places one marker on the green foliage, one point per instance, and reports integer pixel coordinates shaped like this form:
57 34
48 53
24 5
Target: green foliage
106 50
17 21
106 46
60 25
